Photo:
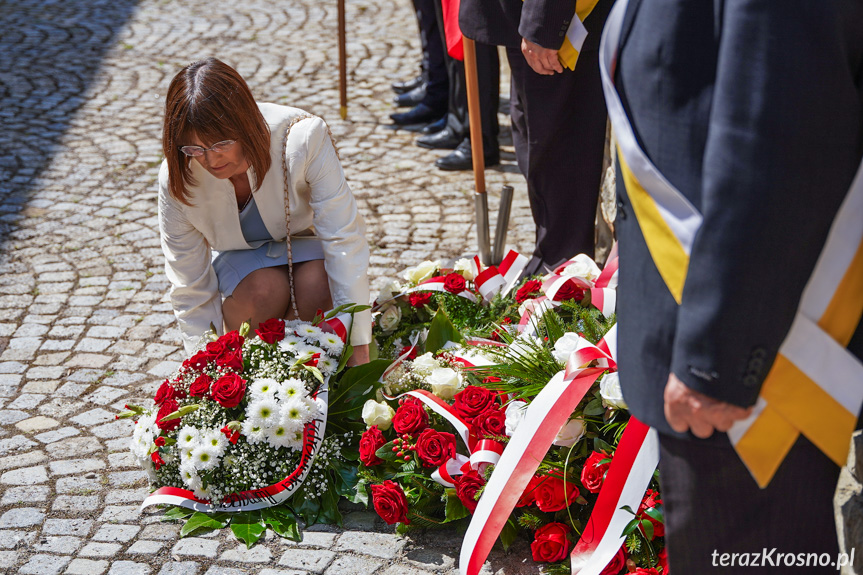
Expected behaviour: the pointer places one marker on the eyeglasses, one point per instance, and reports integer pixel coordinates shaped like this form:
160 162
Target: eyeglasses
197 151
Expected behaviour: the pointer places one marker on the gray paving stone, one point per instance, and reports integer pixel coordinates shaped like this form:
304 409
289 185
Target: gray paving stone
86 567
160 531
26 401
145 547
76 466
179 568
120 513
8 559
76 503
314 561
257 554
384 545
196 546
100 550
406 570
77 485
282 572
129 568
348 565
64 545
120 533
26 494
57 435
22 517
312 539
93 417
9 416
11 539
45 565
15 443
25 476
219 570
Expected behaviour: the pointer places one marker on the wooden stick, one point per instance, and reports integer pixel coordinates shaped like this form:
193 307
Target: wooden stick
343 64
473 115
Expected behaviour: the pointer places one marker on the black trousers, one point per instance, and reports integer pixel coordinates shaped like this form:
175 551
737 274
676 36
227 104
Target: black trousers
488 78
433 63
714 507
558 129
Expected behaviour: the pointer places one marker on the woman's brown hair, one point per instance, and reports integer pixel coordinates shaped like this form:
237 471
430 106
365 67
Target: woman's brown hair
211 100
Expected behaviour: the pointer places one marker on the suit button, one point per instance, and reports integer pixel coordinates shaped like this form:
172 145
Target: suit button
759 352
750 380
755 364
620 211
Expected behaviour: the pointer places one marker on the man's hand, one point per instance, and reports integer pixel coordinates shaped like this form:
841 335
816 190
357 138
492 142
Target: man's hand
360 356
688 409
543 60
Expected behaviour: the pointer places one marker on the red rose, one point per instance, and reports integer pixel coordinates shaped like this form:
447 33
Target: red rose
554 493
229 390
165 392
434 448
617 563
272 330
489 423
652 500
473 400
411 352
370 442
454 283
550 543
419 298
232 340
662 556
410 417
216 348
529 494
159 441
390 502
593 474
232 358
201 386
569 290
648 571
530 289
170 406
199 361
467 486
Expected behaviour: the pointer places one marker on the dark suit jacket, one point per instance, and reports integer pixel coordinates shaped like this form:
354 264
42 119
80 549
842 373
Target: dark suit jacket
753 109
543 22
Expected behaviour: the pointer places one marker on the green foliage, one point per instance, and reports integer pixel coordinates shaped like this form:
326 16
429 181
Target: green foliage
531 520
508 534
282 521
177 513
248 526
349 393
205 522
441 331
455 509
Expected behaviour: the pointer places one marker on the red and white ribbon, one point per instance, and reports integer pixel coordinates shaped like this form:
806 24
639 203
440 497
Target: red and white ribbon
340 324
437 284
608 277
627 479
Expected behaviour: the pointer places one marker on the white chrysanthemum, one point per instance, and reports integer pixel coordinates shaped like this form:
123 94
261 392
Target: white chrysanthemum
264 387
292 387
308 330
188 437
190 477
205 493
204 457
307 348
331 342
215 440
284 436
186 455
295 410
314 408
254 432
289 342
327 365
143 435
263 412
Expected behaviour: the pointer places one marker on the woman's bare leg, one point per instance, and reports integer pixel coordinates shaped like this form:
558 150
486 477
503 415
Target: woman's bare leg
263 294
312 290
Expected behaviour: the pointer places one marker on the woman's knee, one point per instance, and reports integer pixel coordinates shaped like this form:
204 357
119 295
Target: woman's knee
311 287
263 291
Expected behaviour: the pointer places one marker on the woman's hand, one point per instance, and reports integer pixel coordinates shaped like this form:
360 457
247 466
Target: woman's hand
360 356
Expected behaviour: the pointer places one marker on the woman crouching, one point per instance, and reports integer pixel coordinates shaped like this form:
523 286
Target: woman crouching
223 186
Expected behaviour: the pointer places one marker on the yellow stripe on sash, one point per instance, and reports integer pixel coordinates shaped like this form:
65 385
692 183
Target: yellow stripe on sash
765 444
842 316
668 254
567 54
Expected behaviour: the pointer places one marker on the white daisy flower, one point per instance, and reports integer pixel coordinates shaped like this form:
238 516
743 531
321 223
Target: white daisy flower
253 431
203 493
264 387
295 410
190 476
280 436
289 342
186 455
188 437
314 408
292 387
204 457
307 348
263 412
308 330
216 441
326 365
331 342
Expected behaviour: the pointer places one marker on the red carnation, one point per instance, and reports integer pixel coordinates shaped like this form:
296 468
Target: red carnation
555 493
229 390
159 441
467 486
157 460
272 330
201 386
165 392
370 442
411 352
489 423
390 502
473 400
169 407
569 290
419 298
550 543
618 562
434 447
593 474
529 290
651 501
410 417
454 283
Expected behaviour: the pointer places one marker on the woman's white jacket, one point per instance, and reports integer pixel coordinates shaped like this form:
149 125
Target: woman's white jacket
321 204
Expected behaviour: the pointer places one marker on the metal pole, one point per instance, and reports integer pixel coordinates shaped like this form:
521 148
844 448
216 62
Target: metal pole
480 200
343 64
502 224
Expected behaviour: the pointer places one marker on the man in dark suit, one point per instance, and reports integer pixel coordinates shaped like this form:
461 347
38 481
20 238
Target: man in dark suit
558 116
753 111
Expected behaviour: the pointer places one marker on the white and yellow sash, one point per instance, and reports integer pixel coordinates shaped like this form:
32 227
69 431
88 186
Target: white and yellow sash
815 386
576 34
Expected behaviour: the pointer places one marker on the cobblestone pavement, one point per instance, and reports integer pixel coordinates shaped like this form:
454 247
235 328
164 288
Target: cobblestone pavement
85 325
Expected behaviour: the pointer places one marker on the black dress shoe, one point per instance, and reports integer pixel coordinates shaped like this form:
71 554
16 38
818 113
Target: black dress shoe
435 126
419 114
411 98
461 159
446 139
407 86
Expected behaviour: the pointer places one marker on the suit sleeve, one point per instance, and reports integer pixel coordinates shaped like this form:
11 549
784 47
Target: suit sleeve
545 22
194 286
340 225
782 147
